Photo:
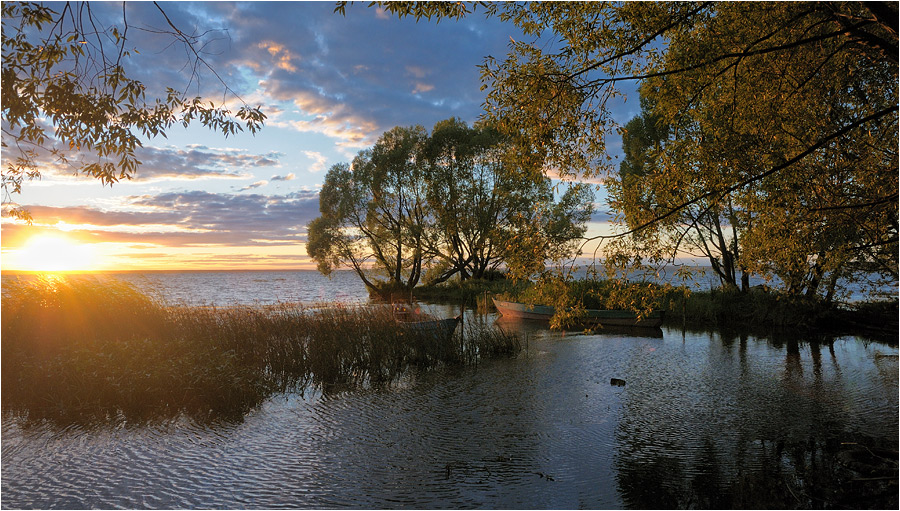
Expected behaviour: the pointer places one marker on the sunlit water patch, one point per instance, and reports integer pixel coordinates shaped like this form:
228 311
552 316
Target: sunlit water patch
223 288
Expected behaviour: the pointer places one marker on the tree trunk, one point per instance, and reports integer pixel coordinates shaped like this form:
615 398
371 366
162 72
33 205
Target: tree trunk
832 285
815 277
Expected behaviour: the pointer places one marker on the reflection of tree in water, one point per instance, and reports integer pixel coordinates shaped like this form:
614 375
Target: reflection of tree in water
740 435
811 474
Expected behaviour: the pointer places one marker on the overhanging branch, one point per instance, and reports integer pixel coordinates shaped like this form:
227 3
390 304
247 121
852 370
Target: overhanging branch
813 148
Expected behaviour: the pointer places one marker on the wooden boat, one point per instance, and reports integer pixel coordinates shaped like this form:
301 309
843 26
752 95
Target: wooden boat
425 324
603 317
440 328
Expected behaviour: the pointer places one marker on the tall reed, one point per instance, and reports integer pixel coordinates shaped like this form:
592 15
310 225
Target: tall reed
79 347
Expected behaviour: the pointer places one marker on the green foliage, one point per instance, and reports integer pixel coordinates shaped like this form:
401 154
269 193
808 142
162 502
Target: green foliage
469 291
549 234
572 297
836 206
759 311
473 194
490 209
57 68
418 207
374 211
649 184
641 138
819 203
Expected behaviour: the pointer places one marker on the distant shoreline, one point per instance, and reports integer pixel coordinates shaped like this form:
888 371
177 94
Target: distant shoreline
28 272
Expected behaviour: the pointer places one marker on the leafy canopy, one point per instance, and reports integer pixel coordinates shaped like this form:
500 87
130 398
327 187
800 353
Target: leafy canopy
553 92
768 141
783 119
792 148
420 207
67 97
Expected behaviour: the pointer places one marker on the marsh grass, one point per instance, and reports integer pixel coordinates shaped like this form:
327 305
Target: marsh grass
92 348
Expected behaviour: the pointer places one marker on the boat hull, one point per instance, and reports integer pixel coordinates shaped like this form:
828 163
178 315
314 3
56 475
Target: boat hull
592 317
440 328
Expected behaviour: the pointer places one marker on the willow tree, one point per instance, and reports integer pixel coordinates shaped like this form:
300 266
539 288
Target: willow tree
337 236
647 186
800 134
467 188
481 200
68 97
374 215
419 208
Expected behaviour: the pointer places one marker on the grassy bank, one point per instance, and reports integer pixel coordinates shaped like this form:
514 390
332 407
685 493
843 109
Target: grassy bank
756 311
75 347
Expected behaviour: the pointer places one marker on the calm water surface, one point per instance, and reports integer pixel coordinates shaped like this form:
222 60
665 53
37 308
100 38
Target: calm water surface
309 286
250 287
698 417
703 421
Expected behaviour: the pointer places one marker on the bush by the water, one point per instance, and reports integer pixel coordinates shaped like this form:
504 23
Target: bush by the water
470 291
755 310
84 346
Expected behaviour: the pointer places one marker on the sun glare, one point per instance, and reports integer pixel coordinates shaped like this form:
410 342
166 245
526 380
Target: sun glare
55 254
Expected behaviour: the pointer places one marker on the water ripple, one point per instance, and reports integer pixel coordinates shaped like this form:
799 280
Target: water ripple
544 430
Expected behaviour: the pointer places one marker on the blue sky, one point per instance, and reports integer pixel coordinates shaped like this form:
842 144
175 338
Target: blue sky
330 85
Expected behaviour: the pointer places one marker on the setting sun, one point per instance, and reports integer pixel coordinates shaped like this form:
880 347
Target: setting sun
54 254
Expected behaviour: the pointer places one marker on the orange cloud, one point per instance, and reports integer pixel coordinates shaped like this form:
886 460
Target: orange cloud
282 56
422 87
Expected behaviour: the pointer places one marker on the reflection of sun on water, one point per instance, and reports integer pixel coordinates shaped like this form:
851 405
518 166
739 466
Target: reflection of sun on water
55 253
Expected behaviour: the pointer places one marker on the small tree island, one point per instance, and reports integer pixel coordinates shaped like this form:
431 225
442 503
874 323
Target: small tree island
419 208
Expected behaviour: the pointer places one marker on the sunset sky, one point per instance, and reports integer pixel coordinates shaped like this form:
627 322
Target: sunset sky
329 84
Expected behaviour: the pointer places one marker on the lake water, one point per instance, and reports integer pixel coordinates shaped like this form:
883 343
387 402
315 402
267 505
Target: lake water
311 287
703 420
250 287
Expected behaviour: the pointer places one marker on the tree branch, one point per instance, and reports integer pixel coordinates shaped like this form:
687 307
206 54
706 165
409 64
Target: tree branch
647 40
878 202
818 145
724 56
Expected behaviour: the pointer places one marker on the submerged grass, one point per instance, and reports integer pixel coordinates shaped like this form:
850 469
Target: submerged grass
85 347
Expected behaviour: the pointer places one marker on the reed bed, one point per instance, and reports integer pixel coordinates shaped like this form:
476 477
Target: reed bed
90 347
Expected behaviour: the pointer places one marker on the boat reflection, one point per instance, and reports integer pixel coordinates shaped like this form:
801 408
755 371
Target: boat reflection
532 326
